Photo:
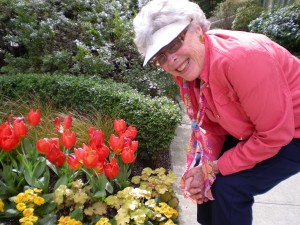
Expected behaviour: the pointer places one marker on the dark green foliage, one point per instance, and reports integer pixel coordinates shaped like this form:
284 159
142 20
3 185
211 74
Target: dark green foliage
282 25
207 6
224 14
75 37
156 119
249 11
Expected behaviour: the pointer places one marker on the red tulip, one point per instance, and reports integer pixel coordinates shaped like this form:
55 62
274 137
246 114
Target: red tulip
97 138
44 145
73 162
8 138
90 157
133 145
79 153
102 152
56 156
111 169
116 144
34 117
120 126
20 127
68 122
68 139
99 167
127 155
57 122
131 133
91 131
5 129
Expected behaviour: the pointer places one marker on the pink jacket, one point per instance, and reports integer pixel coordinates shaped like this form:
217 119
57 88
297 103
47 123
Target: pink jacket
252 88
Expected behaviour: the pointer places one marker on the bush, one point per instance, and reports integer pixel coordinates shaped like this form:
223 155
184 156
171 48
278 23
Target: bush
224 14
153 82
282 25
207 6
156 119
245 14
75 37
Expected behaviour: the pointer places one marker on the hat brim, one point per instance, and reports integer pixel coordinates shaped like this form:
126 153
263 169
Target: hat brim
163 37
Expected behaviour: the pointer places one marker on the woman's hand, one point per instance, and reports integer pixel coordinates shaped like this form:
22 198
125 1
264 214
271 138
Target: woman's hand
194 185
194 181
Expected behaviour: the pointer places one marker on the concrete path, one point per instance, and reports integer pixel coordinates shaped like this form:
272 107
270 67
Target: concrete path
279 206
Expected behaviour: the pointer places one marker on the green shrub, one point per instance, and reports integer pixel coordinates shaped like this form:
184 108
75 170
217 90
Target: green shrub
156 119
207 6
224 14
282 25
245 14
74 37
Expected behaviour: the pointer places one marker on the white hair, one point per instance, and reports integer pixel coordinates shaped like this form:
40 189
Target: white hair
159 13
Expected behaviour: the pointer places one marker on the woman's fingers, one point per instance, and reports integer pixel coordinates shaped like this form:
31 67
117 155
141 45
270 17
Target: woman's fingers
196 194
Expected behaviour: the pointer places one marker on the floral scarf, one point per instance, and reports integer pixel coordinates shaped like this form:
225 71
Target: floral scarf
198 151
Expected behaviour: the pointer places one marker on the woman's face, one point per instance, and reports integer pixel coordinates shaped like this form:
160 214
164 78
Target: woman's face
188 61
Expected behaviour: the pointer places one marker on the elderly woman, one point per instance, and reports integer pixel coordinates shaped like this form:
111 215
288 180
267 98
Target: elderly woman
242 94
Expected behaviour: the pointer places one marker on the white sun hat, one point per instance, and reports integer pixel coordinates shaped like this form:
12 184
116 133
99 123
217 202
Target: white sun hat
163 37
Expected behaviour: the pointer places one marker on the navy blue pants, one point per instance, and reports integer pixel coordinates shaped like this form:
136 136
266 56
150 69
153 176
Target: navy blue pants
234 194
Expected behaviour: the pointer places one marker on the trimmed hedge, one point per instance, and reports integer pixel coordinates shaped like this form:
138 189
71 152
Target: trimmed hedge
155 118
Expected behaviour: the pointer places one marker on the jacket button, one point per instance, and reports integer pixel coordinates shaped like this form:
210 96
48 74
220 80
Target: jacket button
218 116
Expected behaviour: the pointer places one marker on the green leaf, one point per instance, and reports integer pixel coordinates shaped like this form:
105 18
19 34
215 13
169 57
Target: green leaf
109 188
61 181
47 220
52 167
11 212
113 221
77 214
39 169
100 194
46 209
28 177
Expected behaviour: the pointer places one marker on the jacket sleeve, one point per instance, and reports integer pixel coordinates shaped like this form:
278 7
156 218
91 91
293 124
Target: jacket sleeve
263 93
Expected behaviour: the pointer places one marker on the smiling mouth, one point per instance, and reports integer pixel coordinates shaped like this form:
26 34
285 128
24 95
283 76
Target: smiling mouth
183 66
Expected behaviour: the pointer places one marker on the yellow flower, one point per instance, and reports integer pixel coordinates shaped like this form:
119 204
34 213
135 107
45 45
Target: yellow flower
103 221
1 205
29 191
66 220
19 198
25 197
28 223
33 218
21 206
165 209
36 190
28 212
169 222
38 200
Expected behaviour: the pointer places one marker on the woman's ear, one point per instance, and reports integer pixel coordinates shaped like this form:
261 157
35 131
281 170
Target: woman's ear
195 27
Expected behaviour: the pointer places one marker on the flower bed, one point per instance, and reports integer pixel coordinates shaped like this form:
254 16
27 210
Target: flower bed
54 182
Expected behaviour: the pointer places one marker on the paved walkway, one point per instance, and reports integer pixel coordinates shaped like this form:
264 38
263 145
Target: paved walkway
279 206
